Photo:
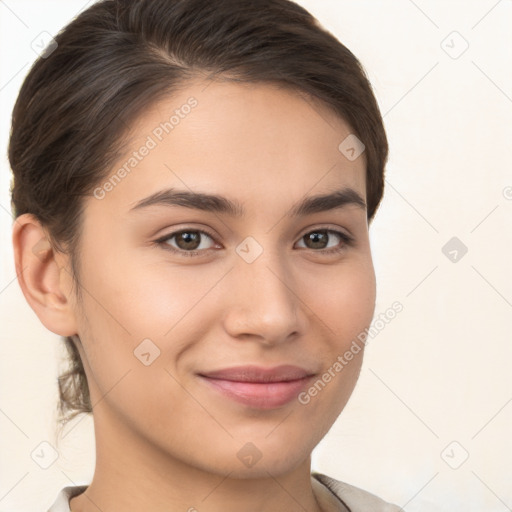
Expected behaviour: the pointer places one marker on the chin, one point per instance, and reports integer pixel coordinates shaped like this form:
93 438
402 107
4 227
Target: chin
252 458
274 465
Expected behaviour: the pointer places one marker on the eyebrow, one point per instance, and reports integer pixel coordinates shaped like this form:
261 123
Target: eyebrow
222 205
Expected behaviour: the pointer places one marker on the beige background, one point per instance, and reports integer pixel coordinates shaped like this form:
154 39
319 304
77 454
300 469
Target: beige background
436 385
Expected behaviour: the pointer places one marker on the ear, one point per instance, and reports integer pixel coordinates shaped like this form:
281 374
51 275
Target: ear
44 276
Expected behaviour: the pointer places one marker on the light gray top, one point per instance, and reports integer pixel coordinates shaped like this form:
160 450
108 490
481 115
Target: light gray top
350 498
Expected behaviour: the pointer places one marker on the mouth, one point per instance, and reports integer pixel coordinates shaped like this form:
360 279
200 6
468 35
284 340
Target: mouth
258 387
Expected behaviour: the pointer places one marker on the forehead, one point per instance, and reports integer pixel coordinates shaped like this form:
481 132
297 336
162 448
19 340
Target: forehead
253 142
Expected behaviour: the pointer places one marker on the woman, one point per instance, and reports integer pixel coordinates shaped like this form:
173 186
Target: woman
193 185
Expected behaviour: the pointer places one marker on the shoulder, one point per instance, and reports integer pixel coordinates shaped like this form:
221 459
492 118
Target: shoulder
356 499
61 504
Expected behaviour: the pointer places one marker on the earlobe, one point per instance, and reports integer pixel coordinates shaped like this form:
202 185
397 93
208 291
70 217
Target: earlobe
42 276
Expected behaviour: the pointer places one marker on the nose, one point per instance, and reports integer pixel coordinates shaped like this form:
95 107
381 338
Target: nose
264 302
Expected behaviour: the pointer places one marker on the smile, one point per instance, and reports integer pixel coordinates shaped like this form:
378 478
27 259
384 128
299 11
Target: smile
259 387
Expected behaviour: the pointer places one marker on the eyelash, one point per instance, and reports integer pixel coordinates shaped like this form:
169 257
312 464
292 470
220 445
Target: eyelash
348 241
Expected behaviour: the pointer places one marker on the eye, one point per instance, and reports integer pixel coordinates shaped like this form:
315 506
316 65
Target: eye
197 242
320 240
187 242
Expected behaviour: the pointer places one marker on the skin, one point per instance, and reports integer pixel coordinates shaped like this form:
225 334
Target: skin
165 440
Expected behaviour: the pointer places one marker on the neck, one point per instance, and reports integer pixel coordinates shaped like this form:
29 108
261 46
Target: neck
131 474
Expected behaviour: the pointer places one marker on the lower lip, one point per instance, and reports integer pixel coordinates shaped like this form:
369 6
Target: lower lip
268 395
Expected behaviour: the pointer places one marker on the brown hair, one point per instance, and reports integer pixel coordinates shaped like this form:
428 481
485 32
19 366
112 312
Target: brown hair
119 56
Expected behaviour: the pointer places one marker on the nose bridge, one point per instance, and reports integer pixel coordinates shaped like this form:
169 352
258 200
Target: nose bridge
263 302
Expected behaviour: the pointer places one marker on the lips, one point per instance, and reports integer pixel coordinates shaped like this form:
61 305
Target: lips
259 387
281 373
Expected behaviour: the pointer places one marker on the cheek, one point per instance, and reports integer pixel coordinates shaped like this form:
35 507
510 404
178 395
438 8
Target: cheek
143 299
345 306
146 313
345 300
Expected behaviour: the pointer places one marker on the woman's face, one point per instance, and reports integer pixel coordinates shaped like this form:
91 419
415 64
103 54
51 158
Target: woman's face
181 286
